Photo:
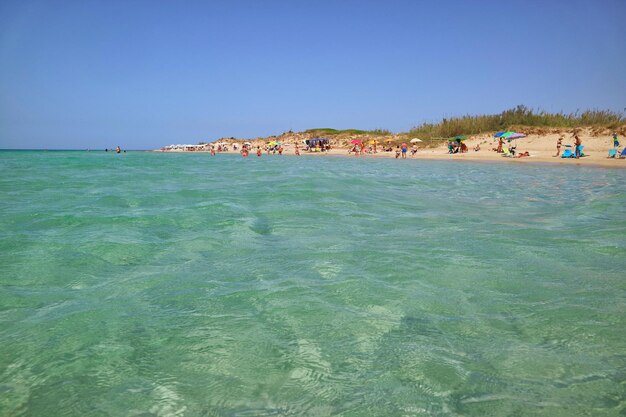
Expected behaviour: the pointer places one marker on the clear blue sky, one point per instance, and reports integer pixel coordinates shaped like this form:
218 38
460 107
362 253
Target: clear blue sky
143 74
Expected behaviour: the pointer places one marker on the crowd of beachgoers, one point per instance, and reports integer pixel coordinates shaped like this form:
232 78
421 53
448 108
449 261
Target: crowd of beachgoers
559 146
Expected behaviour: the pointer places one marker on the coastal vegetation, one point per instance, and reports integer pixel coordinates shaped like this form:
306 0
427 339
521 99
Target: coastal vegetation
520 118
325 131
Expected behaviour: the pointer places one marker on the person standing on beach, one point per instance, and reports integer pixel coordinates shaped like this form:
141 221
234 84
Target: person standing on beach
404 149
500 144
559 142
615 141
398 151
297 149
212 150
258 151
577 144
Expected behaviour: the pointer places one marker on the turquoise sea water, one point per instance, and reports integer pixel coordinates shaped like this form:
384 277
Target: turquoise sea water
149 284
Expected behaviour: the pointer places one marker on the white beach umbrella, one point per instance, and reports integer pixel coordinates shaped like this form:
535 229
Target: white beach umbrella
415 140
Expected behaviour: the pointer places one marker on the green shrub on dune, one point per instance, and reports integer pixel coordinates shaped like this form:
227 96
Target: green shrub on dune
516 119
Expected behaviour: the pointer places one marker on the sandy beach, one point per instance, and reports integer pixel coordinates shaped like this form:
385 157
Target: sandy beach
541 148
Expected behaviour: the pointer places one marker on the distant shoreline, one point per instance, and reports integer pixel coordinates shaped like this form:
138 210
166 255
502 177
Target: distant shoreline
541 148
582 162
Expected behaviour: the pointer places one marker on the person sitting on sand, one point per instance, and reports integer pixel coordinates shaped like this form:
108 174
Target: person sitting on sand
559 142
463 147
477 147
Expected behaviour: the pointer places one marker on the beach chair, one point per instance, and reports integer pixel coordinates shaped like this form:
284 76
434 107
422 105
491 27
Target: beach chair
612 153
506 152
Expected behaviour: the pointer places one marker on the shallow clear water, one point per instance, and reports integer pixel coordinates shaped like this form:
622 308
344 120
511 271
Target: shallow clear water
149 284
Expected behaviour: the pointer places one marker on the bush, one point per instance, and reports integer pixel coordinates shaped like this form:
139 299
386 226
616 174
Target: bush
520 116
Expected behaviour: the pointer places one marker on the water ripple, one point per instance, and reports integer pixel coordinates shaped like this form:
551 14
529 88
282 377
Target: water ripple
185 285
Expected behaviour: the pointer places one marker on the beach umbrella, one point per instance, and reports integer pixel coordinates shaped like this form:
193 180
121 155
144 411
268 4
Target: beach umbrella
513 135
388 140
459 138
415 140
355 141
509 135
